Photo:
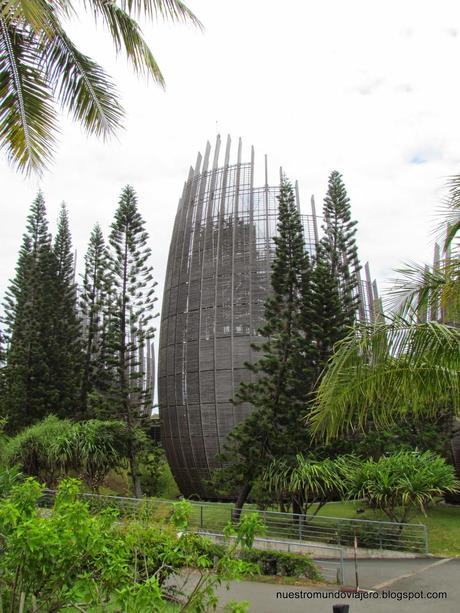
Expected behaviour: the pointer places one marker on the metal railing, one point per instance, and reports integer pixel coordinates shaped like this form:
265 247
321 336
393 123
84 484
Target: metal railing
329 560
213 517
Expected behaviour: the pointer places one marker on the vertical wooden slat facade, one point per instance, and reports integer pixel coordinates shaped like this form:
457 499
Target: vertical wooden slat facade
217 281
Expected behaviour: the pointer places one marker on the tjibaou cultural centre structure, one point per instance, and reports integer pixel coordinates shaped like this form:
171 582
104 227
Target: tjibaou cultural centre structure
217 280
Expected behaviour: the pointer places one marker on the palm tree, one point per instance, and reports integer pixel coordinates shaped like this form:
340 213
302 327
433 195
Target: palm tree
407 364
306 482
41 66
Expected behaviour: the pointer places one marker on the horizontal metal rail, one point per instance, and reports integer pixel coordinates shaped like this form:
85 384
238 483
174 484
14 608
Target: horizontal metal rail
213 517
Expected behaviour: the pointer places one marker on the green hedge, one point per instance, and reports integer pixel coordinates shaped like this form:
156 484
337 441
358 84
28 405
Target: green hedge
283 564
270 562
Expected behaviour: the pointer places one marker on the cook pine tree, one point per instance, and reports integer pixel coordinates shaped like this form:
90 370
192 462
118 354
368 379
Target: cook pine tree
284 374
132 320
30 387
95 300
67 353
336 268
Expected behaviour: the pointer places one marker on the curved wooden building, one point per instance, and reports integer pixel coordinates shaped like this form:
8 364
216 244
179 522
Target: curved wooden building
217 280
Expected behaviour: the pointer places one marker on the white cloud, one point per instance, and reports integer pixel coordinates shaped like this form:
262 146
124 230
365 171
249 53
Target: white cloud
288 78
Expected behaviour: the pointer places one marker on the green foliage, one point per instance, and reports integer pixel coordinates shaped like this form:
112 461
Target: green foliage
237 607
387 371
406 365
65 352
31 389
307 482
337 251
41 68
312 305
43 360
181 514
9 477
283 564
69 557
154 472
53 448
407 434
268 562
402 483
156 476
248 527
32 450
92 449
132 315
285 372
98 372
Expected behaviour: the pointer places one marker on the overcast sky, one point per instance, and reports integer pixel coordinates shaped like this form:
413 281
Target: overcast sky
368 88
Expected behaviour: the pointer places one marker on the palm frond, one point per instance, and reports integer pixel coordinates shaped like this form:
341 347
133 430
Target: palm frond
127 35
422 290
173 10
27 116
80 84
34 12
384 371
449 228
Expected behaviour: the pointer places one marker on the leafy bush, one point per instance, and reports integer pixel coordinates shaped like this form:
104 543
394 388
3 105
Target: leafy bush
92 448
163 485
32 450
9 478
283 564
70 558
401 483
307 481
54 448
269 562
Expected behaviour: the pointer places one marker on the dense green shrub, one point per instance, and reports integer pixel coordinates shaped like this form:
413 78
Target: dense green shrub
71 558
32 450
269 562
54 448
92 448
402 483
283 564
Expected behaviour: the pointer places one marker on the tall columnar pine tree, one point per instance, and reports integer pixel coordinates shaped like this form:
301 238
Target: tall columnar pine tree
30 386
67 348
336 270
2 372
132 317
98 372
285 372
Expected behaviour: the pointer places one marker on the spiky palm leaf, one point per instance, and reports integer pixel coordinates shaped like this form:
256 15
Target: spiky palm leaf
450 215
434 292
382 372
27 116
402 483
80 85
306 480
40 65
428 293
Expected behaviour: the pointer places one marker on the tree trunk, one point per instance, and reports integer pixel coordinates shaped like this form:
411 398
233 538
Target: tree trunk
134 474
242 497
296 510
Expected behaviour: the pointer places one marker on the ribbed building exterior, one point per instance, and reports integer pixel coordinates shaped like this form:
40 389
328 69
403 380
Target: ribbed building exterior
217 280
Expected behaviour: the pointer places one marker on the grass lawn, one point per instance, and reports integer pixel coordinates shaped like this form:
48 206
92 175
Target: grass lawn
442 521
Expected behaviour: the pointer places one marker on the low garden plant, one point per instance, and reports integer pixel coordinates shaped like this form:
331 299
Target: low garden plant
401 484
70 558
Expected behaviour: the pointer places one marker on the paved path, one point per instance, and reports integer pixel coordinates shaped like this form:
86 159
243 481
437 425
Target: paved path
390 578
